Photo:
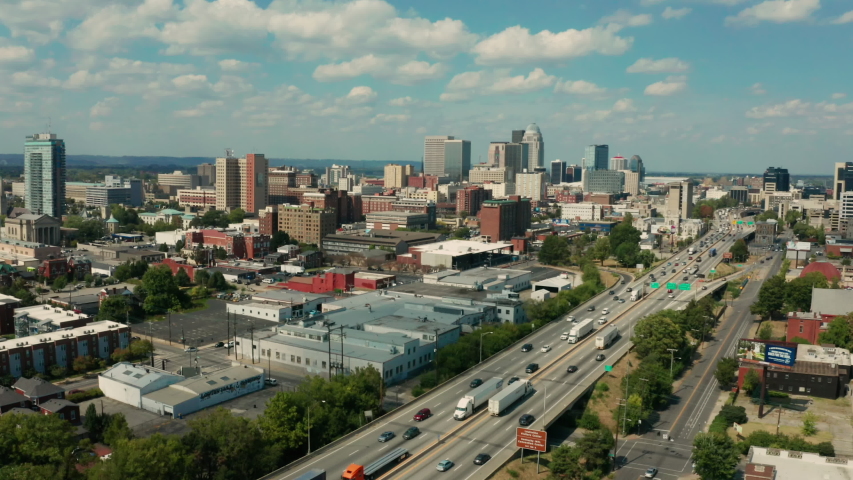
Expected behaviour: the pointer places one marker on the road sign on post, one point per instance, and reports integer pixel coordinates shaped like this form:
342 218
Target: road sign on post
713 271
750 223
608 368
531 439
684 286
740 222
655 285
672 285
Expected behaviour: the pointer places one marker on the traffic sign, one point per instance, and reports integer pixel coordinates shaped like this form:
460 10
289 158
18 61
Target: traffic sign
684 286
531 439
713 271
750 223
608 368
671 285
740 222
655 285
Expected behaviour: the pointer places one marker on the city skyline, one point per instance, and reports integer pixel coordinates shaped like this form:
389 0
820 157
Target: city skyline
144 77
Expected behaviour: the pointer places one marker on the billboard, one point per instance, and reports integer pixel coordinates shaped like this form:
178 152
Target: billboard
531 439
781 354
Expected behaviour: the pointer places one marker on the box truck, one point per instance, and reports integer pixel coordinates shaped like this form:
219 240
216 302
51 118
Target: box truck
508 396
637 292
713 252
691 250
359 472
606 337
467 404
580 330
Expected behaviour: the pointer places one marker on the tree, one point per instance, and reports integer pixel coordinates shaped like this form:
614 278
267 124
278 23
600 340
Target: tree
845 261
733 414
798 292
566 463
739 250
282 423
182 278
792 217
156 456
809 424
164 247
237 215
59 284
37 440
601 249
656 334
716 456
141 348
726 370
279 239
217 282
751 381
201 277
629 415
624 233
162 291
771 298
114 308
221 254
765 332
94 422
595 447
463 232
179 245
554 251
123 273
88 278
117 430
839 332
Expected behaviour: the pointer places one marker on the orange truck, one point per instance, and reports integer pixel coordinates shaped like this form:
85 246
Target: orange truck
360 472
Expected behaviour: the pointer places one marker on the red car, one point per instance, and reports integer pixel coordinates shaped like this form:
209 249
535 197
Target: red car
422 414
669 291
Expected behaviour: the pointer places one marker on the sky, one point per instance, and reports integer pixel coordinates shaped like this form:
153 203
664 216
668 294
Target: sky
689 85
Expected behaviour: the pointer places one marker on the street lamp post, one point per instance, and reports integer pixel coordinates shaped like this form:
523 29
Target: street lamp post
671 359
308 420
481 344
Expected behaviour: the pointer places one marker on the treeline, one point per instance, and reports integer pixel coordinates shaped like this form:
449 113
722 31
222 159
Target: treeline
777 296
218 446
623 243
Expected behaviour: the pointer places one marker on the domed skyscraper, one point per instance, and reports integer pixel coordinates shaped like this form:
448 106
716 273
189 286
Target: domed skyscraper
536 149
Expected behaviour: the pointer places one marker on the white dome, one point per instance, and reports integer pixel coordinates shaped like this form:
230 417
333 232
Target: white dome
532 128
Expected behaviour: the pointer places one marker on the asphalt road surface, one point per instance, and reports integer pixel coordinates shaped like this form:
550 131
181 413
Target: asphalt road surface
695 399
463 440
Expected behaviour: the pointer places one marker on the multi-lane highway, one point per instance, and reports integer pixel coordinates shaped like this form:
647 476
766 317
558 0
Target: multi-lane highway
443 437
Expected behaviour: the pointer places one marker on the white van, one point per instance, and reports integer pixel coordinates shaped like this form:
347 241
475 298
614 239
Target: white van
269 280
564 336
605 311
602 320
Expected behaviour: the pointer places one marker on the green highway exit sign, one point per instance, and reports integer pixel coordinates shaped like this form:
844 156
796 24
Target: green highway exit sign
713 271
684 286
671 286
740 222
750 223
608 368
655 285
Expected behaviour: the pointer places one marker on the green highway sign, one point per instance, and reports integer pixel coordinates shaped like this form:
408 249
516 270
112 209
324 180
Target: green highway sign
750 223
740 222
713 271
671 286
608 368
655 285
740 265
684 286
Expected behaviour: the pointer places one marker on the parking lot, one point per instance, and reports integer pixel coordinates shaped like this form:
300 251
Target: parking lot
199 328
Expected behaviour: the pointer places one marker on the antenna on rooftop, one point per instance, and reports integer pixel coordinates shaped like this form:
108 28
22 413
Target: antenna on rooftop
229 152
49 121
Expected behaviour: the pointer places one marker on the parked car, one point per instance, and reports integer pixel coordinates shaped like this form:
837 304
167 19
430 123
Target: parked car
190 349
422 414
271 381
650 473
219 344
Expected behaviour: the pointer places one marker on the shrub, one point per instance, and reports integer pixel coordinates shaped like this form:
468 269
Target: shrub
589 421
825 449
775 394
512 473
418 391
602 387
733 414
85 395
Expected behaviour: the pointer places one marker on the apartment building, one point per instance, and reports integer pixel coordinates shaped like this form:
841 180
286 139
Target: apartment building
305 223
242 182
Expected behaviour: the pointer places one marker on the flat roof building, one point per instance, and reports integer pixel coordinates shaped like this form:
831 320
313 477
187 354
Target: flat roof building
458 254
358 241
127 382
791 465
484 278
203 391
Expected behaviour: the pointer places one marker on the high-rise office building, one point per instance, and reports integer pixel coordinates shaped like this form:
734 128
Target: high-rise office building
632 182
242 182
511 156
517 136
530 185
596 157
843 181
434 154
536 149
44 174
457 159
206 174
636 165
573 174
397 176
618 163
558 172
335 173
779 177
603 181
679 202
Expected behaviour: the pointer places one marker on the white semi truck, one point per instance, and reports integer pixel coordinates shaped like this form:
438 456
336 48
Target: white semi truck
580 330
637 291
508 396
467 404
606 336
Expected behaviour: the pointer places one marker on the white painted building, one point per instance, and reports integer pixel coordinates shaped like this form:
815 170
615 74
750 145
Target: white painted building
581 211
500 190
203 391
170 238
127 383
530 185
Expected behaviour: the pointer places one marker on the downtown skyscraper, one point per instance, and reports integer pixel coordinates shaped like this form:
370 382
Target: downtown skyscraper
44 174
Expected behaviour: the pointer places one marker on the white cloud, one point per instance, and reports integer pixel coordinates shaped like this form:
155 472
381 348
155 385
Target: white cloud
719 139
624 105
191 82
402 102
670 86
389 118
516 45
776 11
39 21
758 89
836 96
33 79
104 108
114 25
846 18
535 80
787 109
670 13
232 65
626 18
360 95
579 87
409 73
649 3
96 126
204 108
16 54
467 81
215 27
664 65
790 131
454 97
231 85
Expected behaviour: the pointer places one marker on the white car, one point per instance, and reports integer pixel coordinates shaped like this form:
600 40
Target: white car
564 336
546 348
671 295
570 318
602 320
190 349
605 311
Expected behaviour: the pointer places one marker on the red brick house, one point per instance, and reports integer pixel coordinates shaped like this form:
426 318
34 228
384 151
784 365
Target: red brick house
236 244
174 266
807 325
65 409
54 268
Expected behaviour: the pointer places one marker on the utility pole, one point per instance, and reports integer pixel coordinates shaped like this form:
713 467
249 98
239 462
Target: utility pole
436 356
329 329
169 315
252 341
671 359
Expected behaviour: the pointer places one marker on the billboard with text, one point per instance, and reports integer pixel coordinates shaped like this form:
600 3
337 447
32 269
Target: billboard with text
781 354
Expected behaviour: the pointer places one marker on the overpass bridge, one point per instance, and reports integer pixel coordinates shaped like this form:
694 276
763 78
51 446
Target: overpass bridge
556 391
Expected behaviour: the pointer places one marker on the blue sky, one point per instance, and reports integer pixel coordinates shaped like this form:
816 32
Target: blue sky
695 85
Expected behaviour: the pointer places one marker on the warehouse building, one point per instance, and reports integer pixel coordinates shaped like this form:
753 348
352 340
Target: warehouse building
127 382
484 278
203 391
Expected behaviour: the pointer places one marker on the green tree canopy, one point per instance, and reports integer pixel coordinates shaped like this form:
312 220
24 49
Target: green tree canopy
739 251
201 277
839 332
554 251
601 249
162 291
59 284
726 370
655 334
182 278
771 298
716 456
115 308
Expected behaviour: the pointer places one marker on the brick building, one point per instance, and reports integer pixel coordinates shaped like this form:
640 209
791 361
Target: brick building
819 371
79 267
470 199
268 220
200 198
567 196
807 325
8 304
337 279
40 352
500 220
174 266
64 409
53 269
237 244
429 182
306 224
10 399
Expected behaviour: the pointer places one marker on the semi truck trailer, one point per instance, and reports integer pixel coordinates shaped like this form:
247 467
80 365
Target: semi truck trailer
360 472
508 396
606 336
480 395
637 291
580 330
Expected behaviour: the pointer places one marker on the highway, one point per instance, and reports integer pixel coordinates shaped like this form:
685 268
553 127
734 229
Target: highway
482 433
695 399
